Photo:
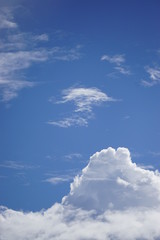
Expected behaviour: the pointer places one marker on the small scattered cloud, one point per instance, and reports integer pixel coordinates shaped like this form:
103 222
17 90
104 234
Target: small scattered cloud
119 61
123 70
59 179
112 194
41 37
16 165
73 156
154 77
84 99
7 19
70 121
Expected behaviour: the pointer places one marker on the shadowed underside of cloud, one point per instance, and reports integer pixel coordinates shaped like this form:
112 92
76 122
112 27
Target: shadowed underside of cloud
113 198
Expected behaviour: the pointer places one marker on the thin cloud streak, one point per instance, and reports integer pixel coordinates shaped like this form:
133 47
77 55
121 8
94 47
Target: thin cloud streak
16 165
117 59
73 156
59 179
70 121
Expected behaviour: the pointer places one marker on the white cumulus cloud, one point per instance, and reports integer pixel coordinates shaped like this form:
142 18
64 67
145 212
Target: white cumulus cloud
112 178
113 198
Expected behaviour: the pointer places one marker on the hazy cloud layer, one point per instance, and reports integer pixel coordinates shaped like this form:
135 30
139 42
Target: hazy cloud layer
113 198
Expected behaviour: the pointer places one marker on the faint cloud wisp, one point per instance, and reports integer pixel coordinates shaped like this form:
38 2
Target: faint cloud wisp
118 60
154 75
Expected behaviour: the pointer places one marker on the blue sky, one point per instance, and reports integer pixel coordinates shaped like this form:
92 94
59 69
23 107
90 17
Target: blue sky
75 77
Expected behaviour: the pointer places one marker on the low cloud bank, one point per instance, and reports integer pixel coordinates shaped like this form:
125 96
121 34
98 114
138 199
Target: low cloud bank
112 199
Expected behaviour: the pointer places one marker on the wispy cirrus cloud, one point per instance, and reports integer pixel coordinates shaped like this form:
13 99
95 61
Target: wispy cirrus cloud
66 54
16 165
73 156
154 77
119 61
123 70
59 179
83 100
155 154
116 59
20 50
41 37
7 19
75 120
9 89
14 61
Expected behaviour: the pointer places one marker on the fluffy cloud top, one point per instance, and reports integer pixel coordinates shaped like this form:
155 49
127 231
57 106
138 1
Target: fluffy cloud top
112 199
112 181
